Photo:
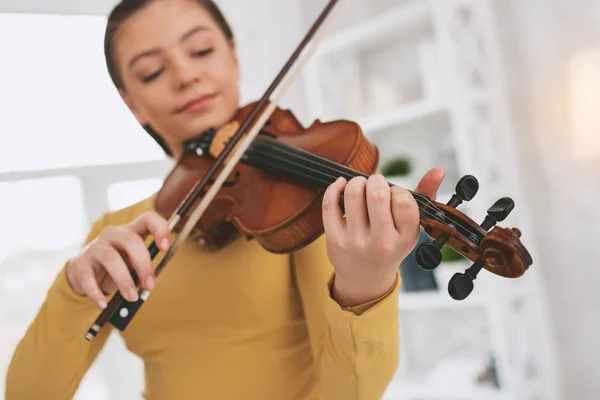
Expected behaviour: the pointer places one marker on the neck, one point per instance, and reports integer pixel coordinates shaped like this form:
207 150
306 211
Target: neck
271 155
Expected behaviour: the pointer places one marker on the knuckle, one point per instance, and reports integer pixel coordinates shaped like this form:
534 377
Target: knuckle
142 262
402 198
149 215
355 188
105 254
359 244
379 196
385 247
336 242
377 180
155 219
79 275
327 199
123 280
359 180
88 287
131 241
107 232
328 207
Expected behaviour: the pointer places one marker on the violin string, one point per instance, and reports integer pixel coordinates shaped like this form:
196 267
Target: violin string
310 176
273 146
424 200
272 167
293 151
271 152
342 169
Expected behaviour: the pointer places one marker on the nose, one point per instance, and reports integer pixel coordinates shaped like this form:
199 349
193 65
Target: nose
184 73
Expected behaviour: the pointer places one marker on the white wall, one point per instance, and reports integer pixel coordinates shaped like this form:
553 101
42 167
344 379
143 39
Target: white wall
539 36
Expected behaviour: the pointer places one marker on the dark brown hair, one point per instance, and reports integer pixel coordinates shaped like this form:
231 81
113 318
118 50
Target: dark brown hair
124 10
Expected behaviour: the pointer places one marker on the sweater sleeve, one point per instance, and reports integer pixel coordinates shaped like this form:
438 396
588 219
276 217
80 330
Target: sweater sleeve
53 356
355 350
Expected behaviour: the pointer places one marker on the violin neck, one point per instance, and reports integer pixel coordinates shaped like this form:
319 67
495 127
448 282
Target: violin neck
271 155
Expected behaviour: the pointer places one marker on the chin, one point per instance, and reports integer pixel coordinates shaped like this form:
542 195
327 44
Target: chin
215 119
200 125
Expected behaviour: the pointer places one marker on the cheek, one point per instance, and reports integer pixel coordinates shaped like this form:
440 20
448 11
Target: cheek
155 100
227 76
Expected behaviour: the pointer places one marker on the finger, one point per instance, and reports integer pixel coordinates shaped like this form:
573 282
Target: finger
406 216
355 205
430 183
333 220
91 288
379 205
112 261
154 224
137 254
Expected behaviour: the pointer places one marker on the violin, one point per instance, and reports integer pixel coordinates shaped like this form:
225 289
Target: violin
269 186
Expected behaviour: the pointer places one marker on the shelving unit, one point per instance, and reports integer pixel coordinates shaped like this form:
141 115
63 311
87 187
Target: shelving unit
424 80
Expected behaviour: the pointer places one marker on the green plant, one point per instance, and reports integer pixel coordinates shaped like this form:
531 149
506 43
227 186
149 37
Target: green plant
397 167
449 254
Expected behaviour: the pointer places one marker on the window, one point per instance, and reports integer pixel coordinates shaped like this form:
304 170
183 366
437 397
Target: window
41 214
60 111
59 106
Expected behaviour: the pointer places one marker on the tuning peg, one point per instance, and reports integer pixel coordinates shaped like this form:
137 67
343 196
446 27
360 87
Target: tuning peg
466 189
498 212
429 255
461 285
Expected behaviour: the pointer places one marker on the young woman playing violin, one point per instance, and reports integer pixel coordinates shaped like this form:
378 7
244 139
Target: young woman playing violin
240 322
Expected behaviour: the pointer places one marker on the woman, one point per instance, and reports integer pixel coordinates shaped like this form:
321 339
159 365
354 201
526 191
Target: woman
238 323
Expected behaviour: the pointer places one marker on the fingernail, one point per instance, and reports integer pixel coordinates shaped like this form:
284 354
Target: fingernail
150 283
102 304
133 296
165 244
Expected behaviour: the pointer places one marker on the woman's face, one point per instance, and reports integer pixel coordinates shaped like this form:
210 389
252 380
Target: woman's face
179 70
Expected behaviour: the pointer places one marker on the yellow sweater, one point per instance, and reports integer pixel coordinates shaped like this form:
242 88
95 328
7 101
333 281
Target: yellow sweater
241 323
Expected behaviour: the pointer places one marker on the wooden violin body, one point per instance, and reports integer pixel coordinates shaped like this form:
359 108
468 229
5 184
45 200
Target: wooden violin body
282 213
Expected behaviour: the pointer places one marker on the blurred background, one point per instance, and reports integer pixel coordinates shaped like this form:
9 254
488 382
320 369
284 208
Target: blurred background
505 90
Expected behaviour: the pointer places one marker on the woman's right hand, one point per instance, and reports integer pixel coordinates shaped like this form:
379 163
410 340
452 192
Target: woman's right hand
104 264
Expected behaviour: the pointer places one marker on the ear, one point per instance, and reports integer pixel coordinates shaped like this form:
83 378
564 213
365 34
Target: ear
130 104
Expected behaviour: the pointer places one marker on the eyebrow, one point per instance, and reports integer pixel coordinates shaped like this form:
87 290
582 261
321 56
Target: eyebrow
186 35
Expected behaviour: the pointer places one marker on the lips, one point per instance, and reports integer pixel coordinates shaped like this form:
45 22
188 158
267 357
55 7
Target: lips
197 103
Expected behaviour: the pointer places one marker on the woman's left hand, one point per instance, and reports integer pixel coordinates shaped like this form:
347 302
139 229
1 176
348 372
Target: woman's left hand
380 229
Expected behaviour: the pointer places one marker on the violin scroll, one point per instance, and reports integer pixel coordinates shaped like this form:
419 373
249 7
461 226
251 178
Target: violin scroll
498 250
504 254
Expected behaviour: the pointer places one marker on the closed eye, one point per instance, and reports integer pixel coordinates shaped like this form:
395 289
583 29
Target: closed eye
204 52
151 77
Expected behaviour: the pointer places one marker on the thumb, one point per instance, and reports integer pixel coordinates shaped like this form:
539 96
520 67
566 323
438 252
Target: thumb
430 183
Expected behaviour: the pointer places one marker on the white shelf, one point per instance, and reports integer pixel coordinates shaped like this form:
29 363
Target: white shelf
405 75
375 28
400 115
